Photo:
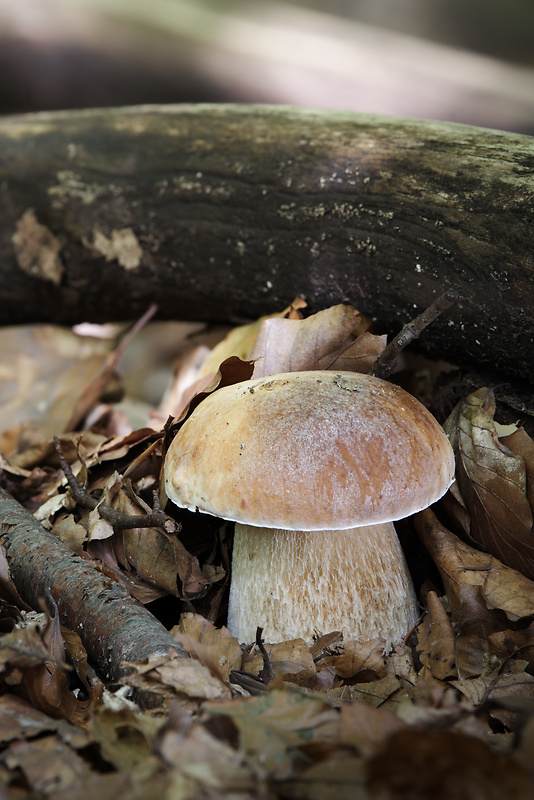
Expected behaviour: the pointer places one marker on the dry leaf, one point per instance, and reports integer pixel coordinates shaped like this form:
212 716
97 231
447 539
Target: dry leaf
442 765
240 340
200 759
522 445
336 779
216 648
375 693
436 640
458 563
366 728
493 483
360 659
326 340
183 676
275 725
292 660
44 368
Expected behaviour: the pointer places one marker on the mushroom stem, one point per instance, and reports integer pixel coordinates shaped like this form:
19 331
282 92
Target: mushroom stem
297 583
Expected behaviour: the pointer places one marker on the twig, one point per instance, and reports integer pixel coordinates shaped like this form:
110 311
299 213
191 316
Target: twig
386 362
119 521
266 673
93 392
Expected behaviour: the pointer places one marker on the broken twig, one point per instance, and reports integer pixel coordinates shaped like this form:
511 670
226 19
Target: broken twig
386 362
119 521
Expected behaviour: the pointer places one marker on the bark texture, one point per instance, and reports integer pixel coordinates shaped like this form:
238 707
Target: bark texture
227 212
112 625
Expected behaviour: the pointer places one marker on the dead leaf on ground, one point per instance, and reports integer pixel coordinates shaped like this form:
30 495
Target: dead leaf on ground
436 640
501 587
216 648
275 726
366 728
239 341
291 660
376 693
441 765
363 660
493 483
200 759
174 675
329 339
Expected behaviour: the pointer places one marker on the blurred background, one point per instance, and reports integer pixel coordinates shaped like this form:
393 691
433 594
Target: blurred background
468 61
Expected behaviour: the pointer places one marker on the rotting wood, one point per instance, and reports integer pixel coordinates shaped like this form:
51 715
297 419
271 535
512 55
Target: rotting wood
227 212
113 627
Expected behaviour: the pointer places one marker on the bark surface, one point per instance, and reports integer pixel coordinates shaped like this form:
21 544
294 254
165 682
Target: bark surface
228 212
112 625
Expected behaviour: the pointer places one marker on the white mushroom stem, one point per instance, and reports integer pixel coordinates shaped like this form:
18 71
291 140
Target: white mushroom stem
297 583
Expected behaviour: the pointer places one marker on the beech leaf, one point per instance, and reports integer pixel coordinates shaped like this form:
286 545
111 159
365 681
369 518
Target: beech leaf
326 340
461 565
493 483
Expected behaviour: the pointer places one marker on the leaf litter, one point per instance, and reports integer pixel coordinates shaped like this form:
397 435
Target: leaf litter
448 713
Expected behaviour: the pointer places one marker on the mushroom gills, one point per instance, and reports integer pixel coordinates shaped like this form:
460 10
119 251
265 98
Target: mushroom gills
297 584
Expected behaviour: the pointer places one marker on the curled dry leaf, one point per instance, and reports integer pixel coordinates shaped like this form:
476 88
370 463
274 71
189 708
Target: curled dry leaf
442 765
292 660
201 760
493 483
330 339
240 340
276 725
365 728
360 659
436 640
185 677
216 648
462 565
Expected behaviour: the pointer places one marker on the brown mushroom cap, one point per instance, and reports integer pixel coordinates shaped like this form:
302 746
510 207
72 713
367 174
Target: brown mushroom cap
309 451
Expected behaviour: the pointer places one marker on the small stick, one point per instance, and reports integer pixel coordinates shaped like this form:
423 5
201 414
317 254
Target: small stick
119 521
386 362
266 673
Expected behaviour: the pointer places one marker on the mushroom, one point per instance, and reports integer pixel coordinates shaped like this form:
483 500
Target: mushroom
313 467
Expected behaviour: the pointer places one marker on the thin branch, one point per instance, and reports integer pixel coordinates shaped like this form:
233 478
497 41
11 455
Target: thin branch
386 362
119 521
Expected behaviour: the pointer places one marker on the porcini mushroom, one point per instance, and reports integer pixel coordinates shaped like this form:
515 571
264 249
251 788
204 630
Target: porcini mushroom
313 467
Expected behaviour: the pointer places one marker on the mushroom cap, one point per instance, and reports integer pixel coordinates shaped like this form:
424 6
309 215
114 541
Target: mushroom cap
309 451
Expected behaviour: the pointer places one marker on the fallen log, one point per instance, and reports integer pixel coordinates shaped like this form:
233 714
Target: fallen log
113 627
227 212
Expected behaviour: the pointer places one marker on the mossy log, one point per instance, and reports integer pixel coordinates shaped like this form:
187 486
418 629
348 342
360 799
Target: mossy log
224 212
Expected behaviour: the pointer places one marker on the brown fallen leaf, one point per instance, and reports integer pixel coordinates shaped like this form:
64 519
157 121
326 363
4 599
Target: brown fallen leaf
47 765
124 740
363 660
33 664
375 693
436 640
418 764
168 676
510 644
275 726
291 660
500 586
366 728
239 341
216 648
488 690
522 445
340 778
493 483
330 339
201 761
